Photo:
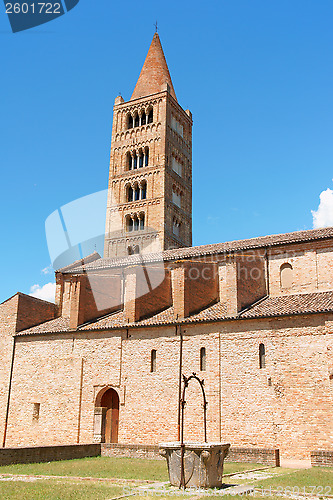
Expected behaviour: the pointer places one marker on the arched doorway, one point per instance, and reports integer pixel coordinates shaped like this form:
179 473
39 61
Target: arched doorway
107 413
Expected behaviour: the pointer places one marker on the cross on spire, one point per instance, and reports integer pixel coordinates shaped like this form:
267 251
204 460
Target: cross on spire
156 27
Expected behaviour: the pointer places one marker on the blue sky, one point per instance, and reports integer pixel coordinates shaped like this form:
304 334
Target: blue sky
256 74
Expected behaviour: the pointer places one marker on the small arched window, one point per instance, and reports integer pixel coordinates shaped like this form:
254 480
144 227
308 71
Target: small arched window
129 193
143 190
153 361
141 159
203 359
129 161
142 221
286 275
150 116
143 119
136 120
129 223
146 157
136 192
176 227
262 358
129 250
130 121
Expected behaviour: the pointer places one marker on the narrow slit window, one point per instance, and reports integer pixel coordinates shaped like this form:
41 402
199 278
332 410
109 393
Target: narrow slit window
262 358
35 412
153 361
203 359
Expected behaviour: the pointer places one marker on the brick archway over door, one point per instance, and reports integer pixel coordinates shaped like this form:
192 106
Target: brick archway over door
110 401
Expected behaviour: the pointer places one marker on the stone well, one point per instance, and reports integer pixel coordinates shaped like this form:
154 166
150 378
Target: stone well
203 463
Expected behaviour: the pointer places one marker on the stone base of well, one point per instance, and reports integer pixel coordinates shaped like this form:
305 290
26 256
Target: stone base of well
203 463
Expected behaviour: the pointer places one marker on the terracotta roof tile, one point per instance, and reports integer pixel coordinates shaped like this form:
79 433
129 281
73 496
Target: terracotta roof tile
54 326
269 307
214 249
292 304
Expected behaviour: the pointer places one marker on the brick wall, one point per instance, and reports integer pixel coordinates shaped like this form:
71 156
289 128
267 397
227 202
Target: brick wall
250 455
312 265
32 311
322 458
38 454
254 455
285 405
131 451
94 296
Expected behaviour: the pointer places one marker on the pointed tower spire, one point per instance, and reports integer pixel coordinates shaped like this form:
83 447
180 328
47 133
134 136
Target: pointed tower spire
155 73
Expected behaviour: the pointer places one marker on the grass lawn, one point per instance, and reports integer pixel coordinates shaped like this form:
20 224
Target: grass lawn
124 468
57 490
284 481
318 481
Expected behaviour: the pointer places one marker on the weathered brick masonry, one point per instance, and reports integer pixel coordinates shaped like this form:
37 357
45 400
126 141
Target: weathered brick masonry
254 317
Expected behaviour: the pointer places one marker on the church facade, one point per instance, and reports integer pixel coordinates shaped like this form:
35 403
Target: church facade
253 318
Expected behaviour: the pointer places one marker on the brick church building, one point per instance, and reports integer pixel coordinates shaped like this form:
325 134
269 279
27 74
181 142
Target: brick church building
253 318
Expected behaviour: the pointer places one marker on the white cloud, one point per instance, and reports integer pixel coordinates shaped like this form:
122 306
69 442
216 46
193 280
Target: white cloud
47 270
323 217
45 292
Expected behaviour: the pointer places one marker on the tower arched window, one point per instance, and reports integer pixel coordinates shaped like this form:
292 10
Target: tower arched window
286 275
153 361
130 121
177 196
150 116
143 190
129 161
142 221
130 251
136 120
143 119
129 223
135 161
176 227
146 157
141 158
129 193
136 195
135 222
262 356
203 359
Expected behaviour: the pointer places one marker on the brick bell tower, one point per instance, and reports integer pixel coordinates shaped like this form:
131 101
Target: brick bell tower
150 181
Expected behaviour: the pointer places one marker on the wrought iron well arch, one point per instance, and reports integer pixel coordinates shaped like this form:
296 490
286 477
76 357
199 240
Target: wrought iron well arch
186 381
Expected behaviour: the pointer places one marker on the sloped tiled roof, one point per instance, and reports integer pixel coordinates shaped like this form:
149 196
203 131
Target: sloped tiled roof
291 304
308 303
202 250
54 326
86 260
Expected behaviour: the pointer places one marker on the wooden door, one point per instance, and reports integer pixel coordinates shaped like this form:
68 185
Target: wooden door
110 401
